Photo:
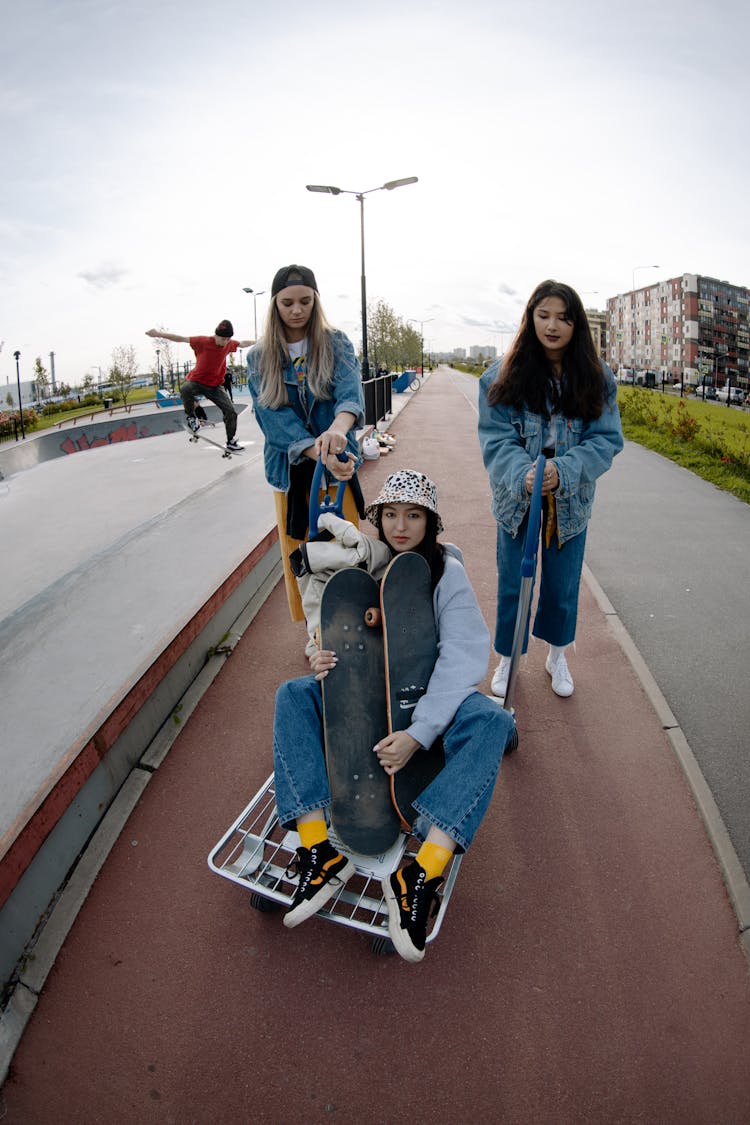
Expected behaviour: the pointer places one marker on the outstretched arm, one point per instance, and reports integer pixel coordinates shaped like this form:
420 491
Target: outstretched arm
245 343
159 334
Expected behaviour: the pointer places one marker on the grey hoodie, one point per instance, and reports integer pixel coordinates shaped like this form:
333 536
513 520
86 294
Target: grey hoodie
463 651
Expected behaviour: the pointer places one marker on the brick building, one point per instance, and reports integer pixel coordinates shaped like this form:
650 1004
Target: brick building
690 324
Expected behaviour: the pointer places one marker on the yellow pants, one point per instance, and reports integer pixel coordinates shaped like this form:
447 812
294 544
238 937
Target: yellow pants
288 545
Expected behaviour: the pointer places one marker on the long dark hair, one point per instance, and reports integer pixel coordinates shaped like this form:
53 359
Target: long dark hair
526 379
430 550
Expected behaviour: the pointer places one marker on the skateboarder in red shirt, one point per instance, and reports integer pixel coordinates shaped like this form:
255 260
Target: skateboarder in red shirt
207 377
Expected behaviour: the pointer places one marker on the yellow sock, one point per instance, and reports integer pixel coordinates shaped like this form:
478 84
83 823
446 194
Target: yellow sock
433 859
312 832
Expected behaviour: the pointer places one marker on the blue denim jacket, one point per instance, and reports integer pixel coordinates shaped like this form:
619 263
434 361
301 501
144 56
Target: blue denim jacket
291 429
512 439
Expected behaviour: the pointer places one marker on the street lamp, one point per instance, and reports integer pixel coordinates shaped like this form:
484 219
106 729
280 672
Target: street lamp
360 195
634 326
421 323
247 289
20 406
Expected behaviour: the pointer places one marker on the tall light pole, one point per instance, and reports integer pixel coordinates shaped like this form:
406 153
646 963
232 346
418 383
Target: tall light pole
360 195
421 323
247 289
634 325
18 381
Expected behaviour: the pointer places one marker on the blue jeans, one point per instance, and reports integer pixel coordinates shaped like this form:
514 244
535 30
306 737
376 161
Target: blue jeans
557 609
455 801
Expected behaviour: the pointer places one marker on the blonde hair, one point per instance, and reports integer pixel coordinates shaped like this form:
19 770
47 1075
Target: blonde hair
274 356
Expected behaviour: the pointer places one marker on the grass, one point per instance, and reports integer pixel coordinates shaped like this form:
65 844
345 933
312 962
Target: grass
707 438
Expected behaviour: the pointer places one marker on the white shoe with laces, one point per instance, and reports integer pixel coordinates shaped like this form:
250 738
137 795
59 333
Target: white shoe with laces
562 681
499 684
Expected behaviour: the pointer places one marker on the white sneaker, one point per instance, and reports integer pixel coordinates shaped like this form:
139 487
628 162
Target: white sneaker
499 684
562 681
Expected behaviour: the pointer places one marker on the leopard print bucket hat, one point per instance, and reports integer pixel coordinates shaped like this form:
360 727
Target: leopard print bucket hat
405 487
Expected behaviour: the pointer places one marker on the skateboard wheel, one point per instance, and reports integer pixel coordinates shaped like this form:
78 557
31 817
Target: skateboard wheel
373 617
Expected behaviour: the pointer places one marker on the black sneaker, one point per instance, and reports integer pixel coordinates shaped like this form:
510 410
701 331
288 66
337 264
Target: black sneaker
193 423
234 446
412 900
322 872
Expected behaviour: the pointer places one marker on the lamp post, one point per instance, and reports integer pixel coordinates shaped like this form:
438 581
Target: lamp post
247 289
421 323
18 381
159 379
634 325
360 196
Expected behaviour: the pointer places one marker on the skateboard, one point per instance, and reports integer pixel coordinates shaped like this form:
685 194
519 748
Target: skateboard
202 437
320 501
410 650
363 816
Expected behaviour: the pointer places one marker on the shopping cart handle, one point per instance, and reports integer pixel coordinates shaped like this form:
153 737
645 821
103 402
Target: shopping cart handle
317 509
528 562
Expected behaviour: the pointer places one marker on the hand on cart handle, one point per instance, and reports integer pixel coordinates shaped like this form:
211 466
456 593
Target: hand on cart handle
550 476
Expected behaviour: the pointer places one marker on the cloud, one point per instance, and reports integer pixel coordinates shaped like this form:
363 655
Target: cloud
104 277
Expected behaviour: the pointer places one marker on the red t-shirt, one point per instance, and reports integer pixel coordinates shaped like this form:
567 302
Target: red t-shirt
210 360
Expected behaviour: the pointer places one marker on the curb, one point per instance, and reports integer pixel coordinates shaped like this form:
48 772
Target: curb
734 877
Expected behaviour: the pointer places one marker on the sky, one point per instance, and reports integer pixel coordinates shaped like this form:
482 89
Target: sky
155 159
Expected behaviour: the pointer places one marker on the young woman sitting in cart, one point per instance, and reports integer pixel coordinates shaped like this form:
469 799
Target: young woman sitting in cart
474 729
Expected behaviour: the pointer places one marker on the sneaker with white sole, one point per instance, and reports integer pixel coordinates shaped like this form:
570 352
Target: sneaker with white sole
499 685
562 681
234 446
193 423
412 899
322 873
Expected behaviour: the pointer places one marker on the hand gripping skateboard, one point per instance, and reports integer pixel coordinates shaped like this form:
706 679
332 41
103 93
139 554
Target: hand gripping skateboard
354 715
410 641
202 437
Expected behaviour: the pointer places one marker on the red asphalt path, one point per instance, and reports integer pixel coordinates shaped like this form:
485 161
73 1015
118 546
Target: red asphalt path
588 969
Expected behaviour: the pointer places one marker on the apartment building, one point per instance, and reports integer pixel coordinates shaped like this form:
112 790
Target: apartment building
690 326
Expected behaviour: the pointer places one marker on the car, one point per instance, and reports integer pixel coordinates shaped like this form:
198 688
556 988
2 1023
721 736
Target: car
625 375
736 396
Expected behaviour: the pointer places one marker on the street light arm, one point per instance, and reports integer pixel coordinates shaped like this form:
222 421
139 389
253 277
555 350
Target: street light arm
398 183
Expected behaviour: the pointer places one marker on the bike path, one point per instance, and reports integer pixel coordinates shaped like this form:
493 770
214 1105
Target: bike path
588 969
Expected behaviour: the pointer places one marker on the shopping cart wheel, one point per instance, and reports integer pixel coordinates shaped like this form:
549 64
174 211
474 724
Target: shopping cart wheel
264 905
513 744
382 946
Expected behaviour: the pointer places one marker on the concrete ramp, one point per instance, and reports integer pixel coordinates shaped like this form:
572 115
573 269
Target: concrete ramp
112 430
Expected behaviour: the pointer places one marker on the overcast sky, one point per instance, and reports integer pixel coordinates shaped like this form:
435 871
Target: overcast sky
155 157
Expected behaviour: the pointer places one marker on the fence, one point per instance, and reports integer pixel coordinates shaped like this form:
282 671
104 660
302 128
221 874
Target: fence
377 398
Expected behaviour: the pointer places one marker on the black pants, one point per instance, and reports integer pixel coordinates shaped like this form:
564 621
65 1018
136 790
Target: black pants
190 390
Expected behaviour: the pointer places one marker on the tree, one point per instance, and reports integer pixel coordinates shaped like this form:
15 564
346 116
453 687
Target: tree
164 360
390 342
41 379
124 369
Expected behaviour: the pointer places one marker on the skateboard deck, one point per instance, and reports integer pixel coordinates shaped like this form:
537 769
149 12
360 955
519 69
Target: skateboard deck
202 437
410 650
354 715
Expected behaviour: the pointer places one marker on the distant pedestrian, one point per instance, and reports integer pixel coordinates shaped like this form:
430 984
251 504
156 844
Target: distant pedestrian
228 384
207 377
549 395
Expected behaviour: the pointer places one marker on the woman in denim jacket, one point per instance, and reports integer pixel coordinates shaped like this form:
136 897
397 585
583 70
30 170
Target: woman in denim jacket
306 387
552 395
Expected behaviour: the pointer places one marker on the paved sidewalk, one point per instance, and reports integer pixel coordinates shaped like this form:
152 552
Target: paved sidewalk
588 969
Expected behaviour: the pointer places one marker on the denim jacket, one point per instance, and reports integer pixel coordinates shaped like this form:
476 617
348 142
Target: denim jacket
291 429
512 439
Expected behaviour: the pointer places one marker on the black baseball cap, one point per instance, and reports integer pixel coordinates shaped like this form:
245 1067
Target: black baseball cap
293 275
